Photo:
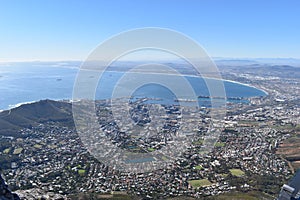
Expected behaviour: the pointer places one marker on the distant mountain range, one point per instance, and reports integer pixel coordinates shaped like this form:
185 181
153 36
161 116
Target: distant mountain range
218 60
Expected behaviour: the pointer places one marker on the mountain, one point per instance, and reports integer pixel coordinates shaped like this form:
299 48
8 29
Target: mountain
28 115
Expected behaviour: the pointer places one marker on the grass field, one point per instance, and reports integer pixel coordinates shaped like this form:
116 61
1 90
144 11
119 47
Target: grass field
151 149
219 144
18 151
237 172
224 175
287 126
290 149
200 183
81 172
52 146
198 142
6 151
198 167
110 196
37 146
253 195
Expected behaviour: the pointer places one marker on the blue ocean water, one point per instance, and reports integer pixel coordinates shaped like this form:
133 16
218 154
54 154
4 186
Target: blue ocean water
20 83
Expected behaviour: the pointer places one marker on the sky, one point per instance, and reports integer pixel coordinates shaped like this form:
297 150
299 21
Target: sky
56 30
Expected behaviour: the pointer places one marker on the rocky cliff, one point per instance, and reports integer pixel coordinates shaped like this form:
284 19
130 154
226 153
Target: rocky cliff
5 193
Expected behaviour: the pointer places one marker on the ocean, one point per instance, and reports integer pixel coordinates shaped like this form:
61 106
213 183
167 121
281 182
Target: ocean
28 82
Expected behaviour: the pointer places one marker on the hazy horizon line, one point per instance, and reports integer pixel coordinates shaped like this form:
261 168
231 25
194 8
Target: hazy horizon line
159 59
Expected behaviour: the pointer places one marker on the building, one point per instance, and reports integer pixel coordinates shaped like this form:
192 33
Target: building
291 191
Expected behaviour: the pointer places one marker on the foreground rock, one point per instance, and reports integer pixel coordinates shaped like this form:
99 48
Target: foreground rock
36 193
5 193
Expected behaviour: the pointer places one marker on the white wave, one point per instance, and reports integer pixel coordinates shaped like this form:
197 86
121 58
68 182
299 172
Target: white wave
11 106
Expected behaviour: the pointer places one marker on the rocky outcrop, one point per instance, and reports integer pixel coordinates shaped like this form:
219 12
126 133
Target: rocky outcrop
38 194
31 194
5 193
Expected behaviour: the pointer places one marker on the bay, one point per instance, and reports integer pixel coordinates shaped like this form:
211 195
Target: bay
29 82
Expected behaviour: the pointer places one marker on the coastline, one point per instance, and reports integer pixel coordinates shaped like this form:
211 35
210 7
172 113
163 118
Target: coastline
245 84
204 77
12 106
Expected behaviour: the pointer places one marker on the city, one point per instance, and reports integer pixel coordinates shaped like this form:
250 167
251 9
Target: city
50 159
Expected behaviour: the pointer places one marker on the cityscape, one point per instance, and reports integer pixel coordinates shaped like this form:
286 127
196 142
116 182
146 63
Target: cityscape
176 100
49 159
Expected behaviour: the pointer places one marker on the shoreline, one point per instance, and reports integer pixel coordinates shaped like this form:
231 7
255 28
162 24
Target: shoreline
203 77
12 106
245 84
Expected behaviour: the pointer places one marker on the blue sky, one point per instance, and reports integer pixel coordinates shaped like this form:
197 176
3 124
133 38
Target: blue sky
70 30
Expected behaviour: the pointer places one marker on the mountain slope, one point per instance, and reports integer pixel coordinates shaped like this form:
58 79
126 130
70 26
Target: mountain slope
28 115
